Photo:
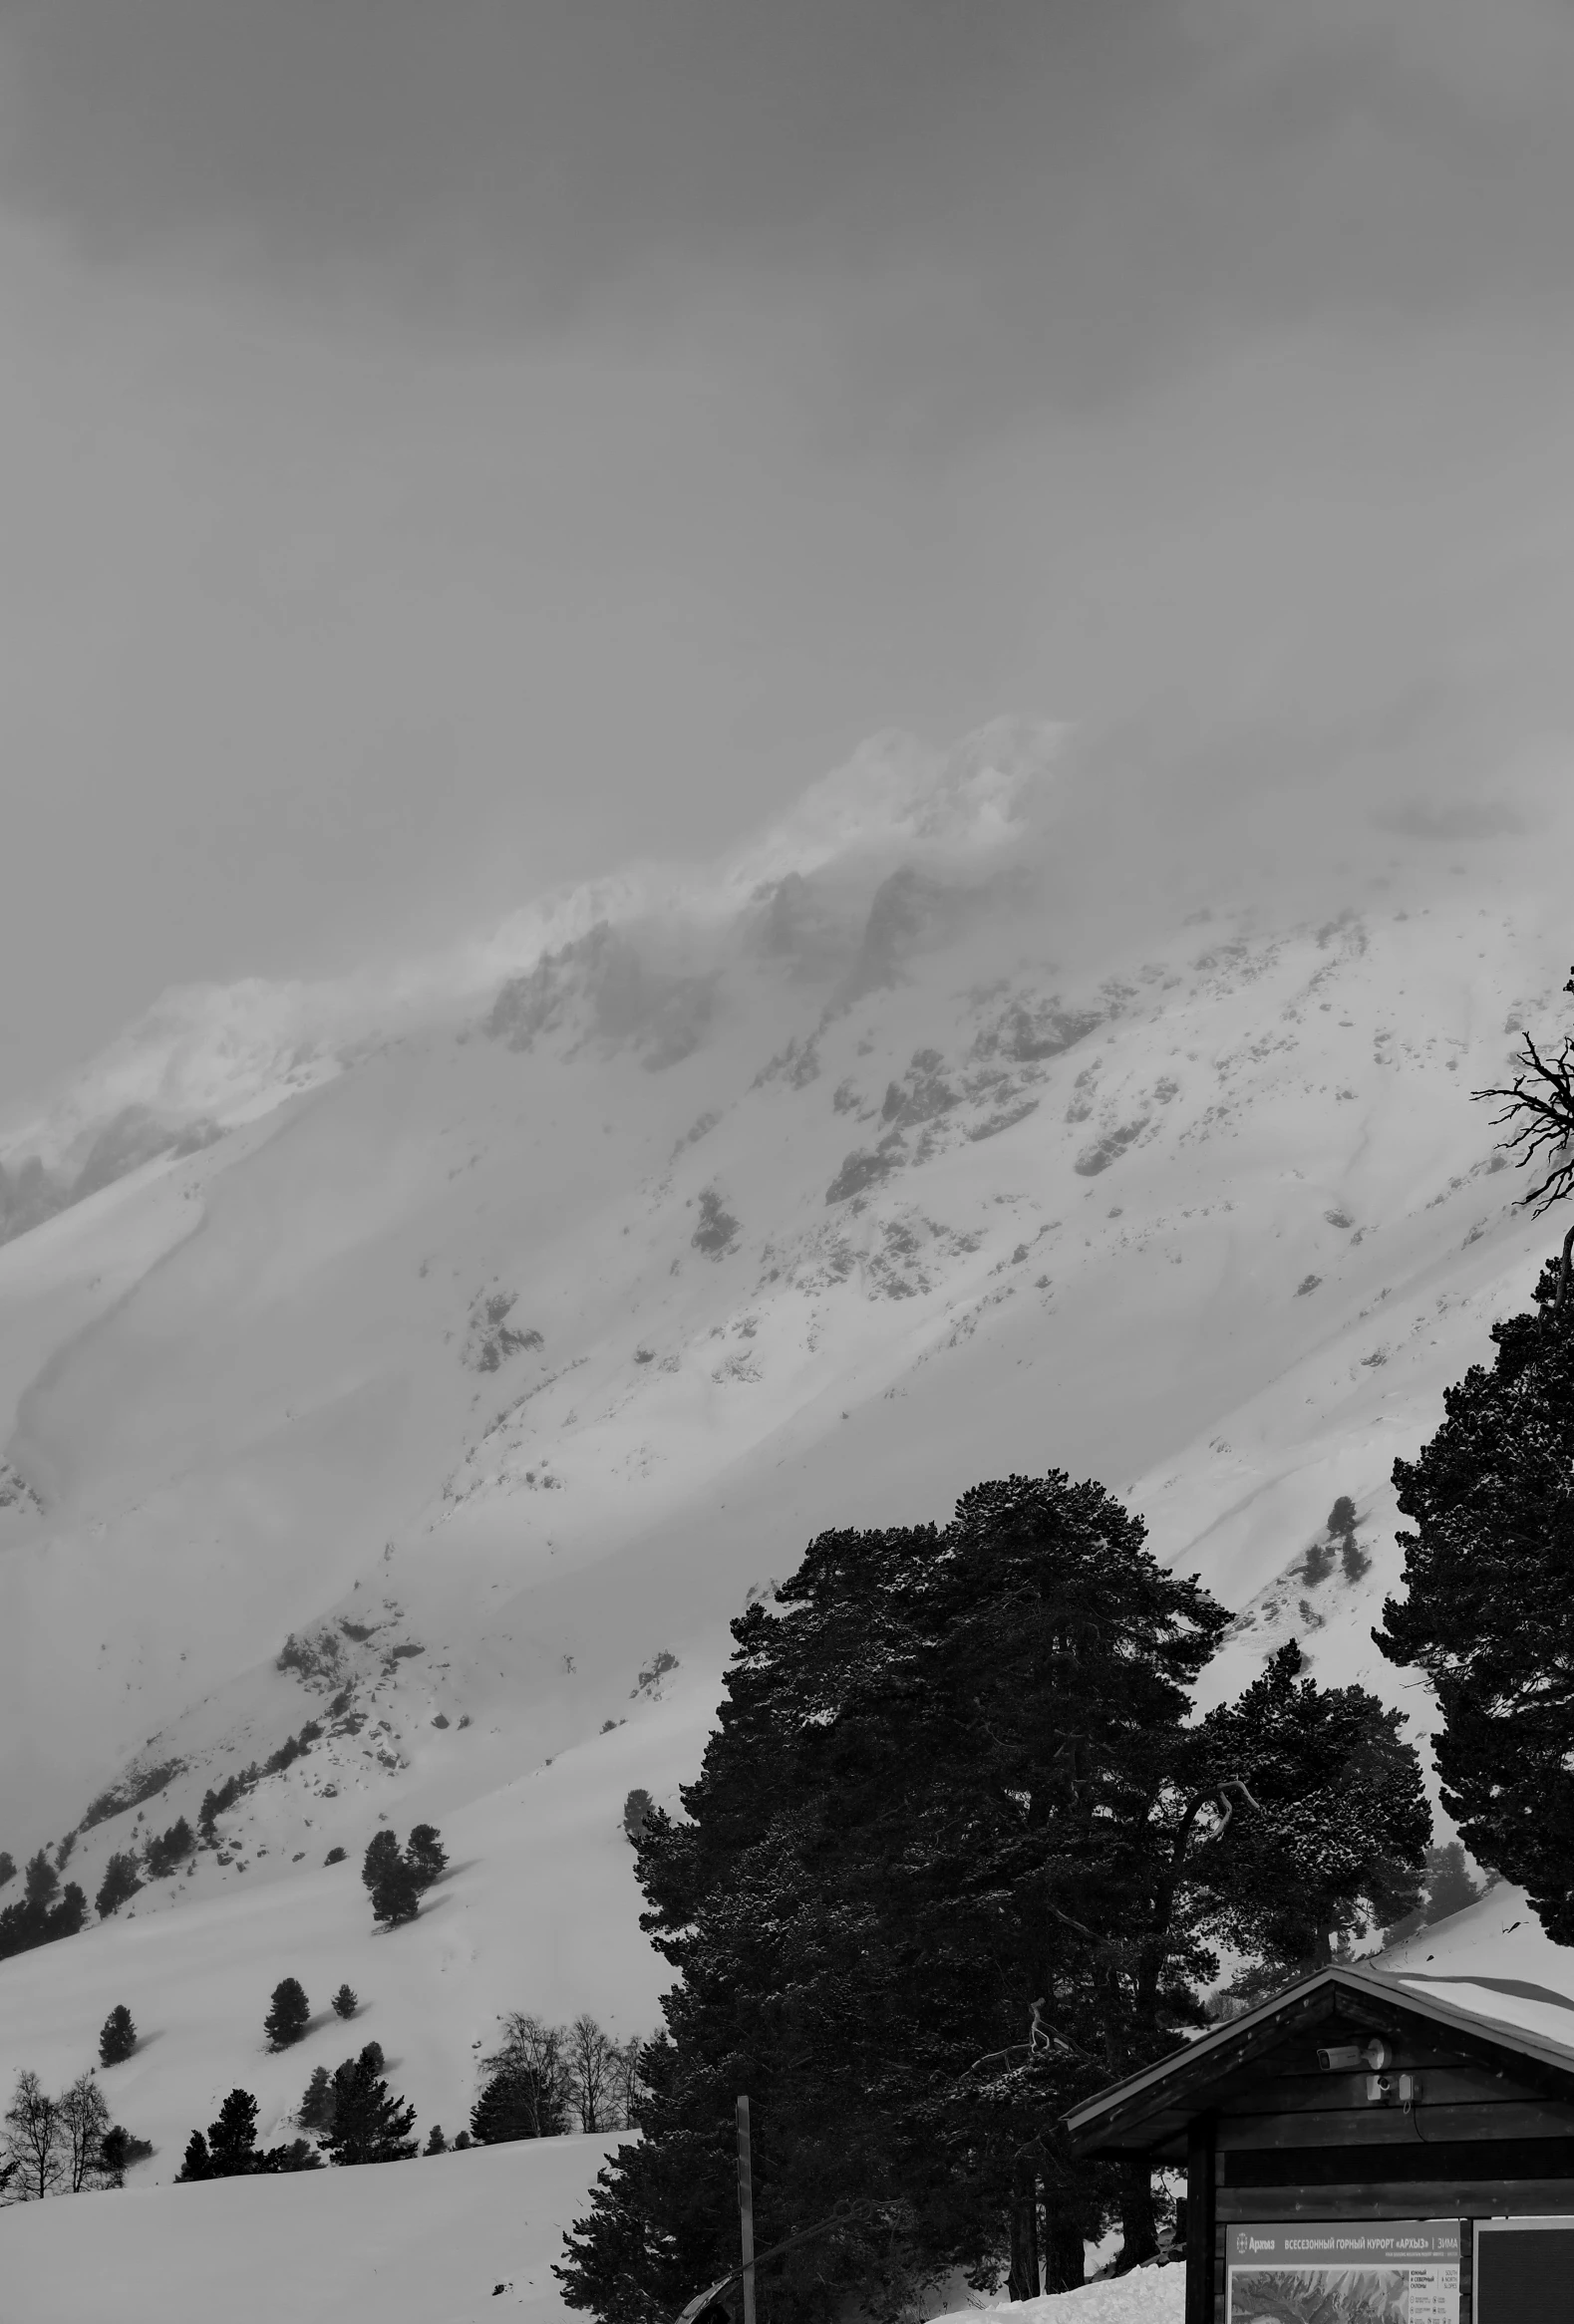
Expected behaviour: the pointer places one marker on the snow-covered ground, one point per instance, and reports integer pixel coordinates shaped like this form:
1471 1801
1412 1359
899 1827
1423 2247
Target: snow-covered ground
450 2240
531 1315
1150 2295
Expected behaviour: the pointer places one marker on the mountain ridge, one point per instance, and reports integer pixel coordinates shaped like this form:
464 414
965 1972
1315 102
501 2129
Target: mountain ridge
481 1380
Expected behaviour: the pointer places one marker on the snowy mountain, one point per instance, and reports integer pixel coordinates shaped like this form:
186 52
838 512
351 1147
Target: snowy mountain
443 1358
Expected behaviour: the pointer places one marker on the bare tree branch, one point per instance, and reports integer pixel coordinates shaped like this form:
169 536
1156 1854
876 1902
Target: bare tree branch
1537 1106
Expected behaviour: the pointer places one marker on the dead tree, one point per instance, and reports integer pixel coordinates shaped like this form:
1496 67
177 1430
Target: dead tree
1537 1109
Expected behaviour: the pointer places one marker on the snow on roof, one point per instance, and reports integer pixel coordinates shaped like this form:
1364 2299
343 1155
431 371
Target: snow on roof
1511 2002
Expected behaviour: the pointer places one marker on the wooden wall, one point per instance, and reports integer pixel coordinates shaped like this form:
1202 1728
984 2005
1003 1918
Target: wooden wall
1288 2142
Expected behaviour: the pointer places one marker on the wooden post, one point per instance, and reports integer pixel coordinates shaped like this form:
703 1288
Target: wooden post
746 2210
1200 2229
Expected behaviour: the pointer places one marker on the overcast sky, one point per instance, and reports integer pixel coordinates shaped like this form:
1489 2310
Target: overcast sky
455 445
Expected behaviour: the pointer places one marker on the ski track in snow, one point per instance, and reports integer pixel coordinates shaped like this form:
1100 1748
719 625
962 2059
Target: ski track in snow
423 1363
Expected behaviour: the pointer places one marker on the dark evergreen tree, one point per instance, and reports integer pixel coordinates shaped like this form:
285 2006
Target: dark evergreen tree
196 2163
425 1853
381 1854
44 1911
1335 1839
346 2001
117 2036
296 2155
1450 1883
1488 1609
372 2057
315 2112
463 2143
68 1915
7 1867
168 1850
957 1854
232 2138
115 2154
290 2014
503 2111
119 1884
397 1896
369 2125
436 2141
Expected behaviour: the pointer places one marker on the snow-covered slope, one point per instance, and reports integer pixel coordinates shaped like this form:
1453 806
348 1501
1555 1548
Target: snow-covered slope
535 1310
465 2240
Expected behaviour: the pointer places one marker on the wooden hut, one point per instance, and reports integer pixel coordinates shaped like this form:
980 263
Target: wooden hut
1367 2144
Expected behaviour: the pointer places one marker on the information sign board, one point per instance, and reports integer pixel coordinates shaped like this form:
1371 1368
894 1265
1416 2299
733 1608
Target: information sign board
1333 2271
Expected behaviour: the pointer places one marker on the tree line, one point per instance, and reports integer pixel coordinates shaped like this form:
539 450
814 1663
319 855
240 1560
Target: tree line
540 2081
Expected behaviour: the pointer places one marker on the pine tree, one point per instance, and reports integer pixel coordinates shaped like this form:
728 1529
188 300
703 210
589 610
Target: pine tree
436 2141
120 1882
425 1853
315 2112
40 1881
198 2163
168 1850
958 1854
115 2154
372 2057
346 2001
7 1867
1450 1884
502 2112
1488 1611
290 2014
1337 1837
117 2036
43 1913
296 2155
369 2125
382 1854
232 2138
68 1917
397 1894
